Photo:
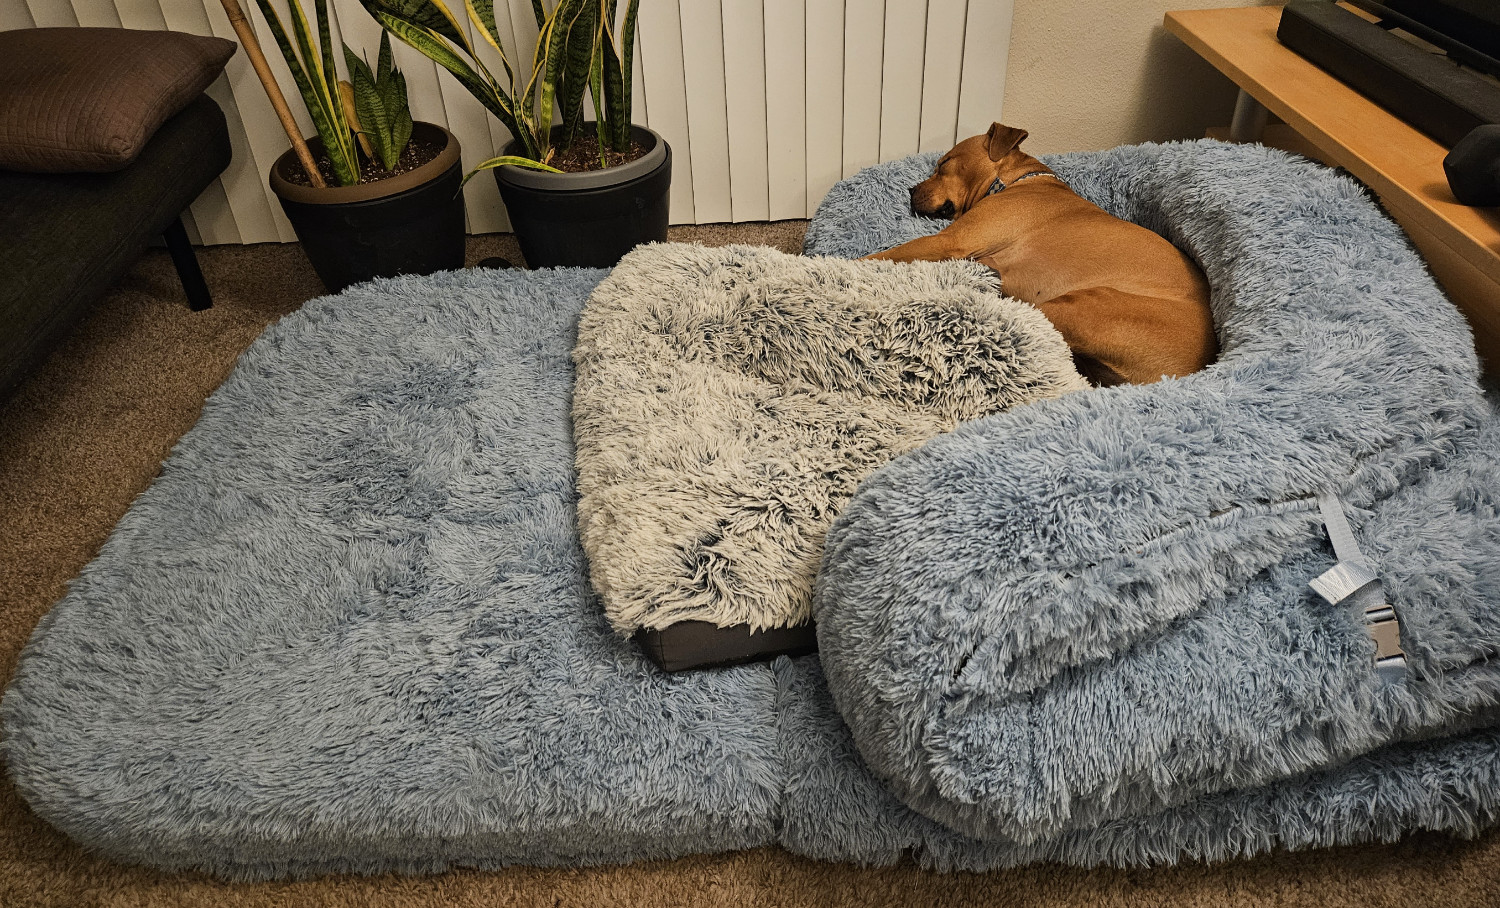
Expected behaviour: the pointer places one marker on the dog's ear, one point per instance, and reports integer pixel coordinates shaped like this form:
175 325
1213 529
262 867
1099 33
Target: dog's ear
1001 140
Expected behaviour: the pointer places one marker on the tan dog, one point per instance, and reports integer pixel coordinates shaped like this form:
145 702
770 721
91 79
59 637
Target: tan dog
1131 306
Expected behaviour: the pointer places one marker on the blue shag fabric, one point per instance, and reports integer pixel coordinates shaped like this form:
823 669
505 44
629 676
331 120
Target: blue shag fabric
350 626
1098 607
349 629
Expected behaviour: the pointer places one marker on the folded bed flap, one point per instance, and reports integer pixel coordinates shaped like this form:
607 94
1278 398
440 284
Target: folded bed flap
1052 546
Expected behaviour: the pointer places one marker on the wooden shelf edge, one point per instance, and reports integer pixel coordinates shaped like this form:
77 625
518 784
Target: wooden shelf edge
1180 23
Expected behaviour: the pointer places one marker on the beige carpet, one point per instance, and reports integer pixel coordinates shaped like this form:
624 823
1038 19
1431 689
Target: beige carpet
88 432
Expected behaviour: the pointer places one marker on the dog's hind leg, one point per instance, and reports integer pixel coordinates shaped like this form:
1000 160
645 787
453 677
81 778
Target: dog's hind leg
1119 337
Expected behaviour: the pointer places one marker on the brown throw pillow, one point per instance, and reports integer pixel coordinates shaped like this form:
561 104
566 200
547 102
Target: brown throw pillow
89 99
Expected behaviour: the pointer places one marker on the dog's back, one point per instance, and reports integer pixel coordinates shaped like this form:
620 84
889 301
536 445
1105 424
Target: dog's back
1132 306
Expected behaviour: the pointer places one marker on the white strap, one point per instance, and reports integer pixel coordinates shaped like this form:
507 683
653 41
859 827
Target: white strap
1353 580
1342 537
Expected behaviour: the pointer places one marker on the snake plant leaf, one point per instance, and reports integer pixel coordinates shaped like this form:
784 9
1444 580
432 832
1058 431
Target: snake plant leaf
482 14
624 99
577 50
612 105
325 46
381 114
351 116
317 59
431 15
353 62
307 60
346 98
437 45
328 114
431 45
397 130
374 116
505 159
527 110
538 55
462 39
577 64
596 87
616 95
539 59
401 117
303 33
293 62
385 63
321 99
564 17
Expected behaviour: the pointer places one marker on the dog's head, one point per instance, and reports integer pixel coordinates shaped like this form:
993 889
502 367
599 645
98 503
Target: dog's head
965 174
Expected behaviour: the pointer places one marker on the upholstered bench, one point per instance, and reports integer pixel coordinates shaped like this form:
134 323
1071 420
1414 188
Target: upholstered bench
105 138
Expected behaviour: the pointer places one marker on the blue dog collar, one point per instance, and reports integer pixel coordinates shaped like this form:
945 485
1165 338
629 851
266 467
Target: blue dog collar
997 185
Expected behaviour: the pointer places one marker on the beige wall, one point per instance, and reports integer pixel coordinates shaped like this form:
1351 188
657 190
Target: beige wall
1086 74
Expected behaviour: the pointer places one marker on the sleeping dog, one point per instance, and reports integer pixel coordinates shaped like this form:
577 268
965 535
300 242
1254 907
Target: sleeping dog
1132 307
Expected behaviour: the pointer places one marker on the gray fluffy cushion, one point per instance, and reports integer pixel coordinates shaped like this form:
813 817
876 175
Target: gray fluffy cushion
1135 629
729 400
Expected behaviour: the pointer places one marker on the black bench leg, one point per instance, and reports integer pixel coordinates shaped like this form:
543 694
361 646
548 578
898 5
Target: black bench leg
188 271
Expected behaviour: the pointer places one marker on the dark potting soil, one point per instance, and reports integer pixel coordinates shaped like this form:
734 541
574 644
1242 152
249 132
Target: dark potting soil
417 153
583 154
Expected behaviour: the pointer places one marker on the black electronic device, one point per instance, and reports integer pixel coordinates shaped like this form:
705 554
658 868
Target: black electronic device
1468 30
1473 167
1426 89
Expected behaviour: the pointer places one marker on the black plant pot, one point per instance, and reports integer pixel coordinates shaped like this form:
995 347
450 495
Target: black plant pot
412 223
589 219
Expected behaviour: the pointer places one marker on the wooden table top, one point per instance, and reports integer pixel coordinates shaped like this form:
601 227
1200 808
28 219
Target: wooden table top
1393 158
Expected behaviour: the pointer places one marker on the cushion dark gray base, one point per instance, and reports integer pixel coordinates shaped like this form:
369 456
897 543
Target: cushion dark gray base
702 644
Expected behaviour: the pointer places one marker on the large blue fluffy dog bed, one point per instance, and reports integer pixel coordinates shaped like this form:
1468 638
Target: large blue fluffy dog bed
1100 607
350 628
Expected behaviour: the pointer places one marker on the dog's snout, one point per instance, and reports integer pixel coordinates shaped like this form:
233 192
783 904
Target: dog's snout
924 198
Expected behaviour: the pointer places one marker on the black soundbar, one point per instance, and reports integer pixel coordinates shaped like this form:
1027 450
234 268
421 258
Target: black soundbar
1469 30
1424 89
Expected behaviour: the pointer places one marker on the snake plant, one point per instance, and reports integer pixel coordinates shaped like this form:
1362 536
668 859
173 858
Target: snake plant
578 47
371 110
317 80
382 116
